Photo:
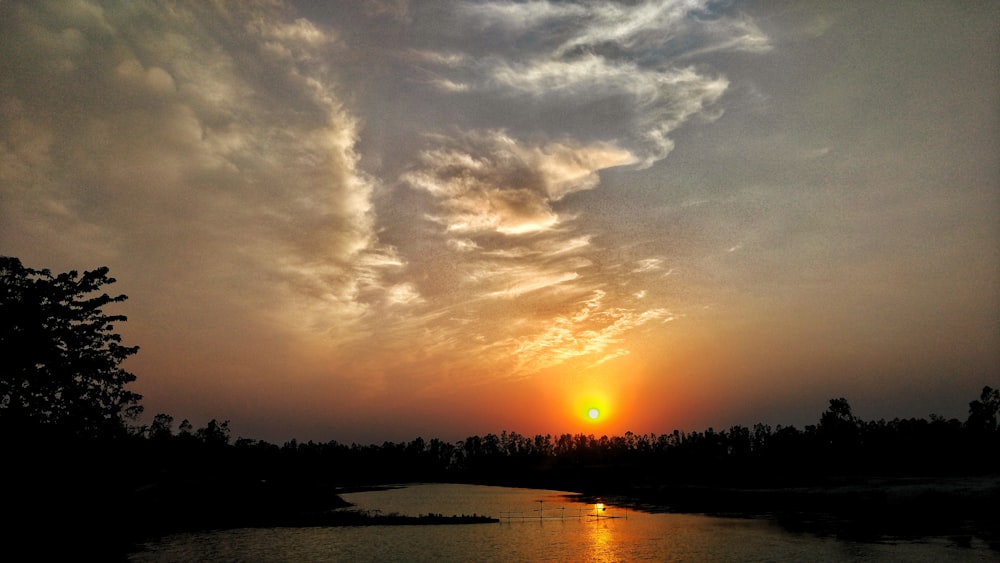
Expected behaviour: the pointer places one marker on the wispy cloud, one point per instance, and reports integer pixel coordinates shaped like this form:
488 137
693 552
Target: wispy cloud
610 80
217 129
488 181
212 143
605 54
593 330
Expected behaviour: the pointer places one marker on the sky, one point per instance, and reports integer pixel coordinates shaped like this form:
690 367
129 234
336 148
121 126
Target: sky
377 220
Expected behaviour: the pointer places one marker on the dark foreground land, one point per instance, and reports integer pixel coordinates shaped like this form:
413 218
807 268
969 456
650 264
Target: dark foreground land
110 520
70 520
218 505
854 479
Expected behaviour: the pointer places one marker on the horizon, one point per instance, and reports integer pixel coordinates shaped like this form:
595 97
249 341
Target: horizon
593 429
375 221
591 433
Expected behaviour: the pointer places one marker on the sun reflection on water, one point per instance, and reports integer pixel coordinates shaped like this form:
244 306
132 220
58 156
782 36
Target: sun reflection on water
602 545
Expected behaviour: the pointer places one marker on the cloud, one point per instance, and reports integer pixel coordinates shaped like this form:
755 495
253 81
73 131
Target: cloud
520 17
600 85
601 66
648 265
735 33
593 329
524 280
211 154
640 26
614 355
203 141
649 103
488 181
643 26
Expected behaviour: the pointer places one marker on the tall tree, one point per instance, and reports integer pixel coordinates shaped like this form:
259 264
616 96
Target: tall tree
983 413
60 357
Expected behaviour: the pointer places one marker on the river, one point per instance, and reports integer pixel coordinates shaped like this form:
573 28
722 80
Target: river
537 525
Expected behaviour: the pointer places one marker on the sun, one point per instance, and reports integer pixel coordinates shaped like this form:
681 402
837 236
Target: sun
589 408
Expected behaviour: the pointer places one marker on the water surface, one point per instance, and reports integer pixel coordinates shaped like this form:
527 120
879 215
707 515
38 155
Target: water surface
536 525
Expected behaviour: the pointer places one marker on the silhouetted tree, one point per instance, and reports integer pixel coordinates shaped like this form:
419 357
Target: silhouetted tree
982 432
60 355
162 427
838 414
214 433
983 412
838 426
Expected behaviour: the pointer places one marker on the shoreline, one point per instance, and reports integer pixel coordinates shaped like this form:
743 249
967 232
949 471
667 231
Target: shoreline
858 509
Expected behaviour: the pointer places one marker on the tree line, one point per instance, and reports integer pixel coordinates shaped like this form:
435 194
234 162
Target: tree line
840 444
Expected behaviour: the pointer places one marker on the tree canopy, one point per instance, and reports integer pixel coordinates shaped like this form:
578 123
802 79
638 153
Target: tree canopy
60 355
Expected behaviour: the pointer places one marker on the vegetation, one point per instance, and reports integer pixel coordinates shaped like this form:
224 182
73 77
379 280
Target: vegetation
841 445
62 372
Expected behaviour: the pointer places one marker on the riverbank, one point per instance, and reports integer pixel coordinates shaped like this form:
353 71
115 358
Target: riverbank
215 505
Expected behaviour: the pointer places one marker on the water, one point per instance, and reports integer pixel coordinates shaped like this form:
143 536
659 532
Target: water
567 531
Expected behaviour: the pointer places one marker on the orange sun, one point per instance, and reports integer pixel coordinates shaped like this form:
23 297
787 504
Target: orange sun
590 408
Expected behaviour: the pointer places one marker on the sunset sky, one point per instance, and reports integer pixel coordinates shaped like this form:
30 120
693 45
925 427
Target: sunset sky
368 221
